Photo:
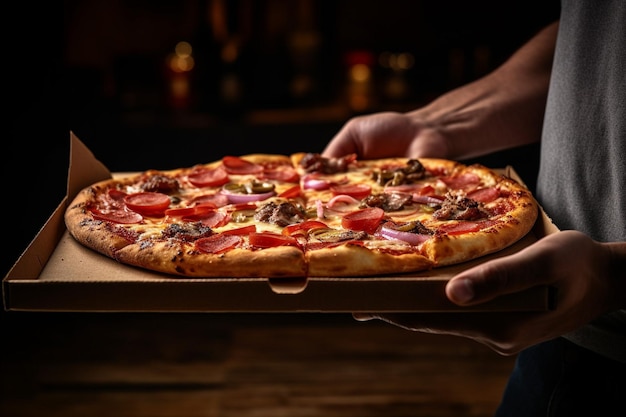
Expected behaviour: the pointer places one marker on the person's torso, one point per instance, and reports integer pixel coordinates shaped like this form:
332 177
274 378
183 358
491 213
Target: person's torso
582 176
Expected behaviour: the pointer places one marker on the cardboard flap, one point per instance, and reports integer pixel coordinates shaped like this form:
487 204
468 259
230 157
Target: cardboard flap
288 285
84 168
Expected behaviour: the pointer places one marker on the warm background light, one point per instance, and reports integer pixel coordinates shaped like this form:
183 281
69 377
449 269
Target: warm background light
181 60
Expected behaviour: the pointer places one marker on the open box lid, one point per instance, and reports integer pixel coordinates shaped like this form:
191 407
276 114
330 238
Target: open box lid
56 273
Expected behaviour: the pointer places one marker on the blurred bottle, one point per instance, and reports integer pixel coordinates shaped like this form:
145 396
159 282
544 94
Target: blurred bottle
179 65
360 88
305 49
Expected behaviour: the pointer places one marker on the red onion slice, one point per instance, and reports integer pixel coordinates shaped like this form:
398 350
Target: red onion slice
414 239
342 198
406 212
426 199
311 182
238 198
319 207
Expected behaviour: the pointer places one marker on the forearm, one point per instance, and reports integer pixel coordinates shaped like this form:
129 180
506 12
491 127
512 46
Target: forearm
504 109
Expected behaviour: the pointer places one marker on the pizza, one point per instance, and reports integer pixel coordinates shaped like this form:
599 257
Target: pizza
302 215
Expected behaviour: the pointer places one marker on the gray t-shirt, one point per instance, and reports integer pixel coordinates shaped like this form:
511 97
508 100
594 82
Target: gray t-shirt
582 174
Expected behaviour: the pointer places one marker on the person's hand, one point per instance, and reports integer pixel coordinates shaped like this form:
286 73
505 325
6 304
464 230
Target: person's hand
580 269
388 134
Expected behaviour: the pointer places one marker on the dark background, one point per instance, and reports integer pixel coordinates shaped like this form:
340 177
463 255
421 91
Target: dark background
98 68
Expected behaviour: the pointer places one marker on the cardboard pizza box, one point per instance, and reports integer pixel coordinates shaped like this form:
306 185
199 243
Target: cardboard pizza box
55 273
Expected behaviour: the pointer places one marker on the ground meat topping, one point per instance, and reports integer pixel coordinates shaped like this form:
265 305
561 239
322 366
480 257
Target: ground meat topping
414 226
457 206
315 162
282 214
388 201
187 232
160 183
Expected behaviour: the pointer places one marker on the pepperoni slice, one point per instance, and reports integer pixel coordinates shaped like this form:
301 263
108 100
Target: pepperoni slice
366 219
208 217
148 203
463 227
358 191
208 177
292 192
282 174
465 181
427 190
116 195
270 240
218 243
484 195
191 213
180 211
304 226
118 216
245 230
239 166
211 200
409 188
243 206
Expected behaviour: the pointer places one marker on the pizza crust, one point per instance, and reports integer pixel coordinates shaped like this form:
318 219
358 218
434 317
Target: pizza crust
184 260
93 233
354 261
448 250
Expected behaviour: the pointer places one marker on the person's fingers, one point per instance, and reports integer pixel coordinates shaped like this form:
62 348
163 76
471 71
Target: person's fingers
379 135
498 331
345 142
495 278
338 148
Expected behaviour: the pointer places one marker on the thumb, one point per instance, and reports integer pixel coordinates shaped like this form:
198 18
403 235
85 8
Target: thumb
490 280
460 290
343 143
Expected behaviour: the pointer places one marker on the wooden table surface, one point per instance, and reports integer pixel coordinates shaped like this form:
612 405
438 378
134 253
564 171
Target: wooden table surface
238 365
